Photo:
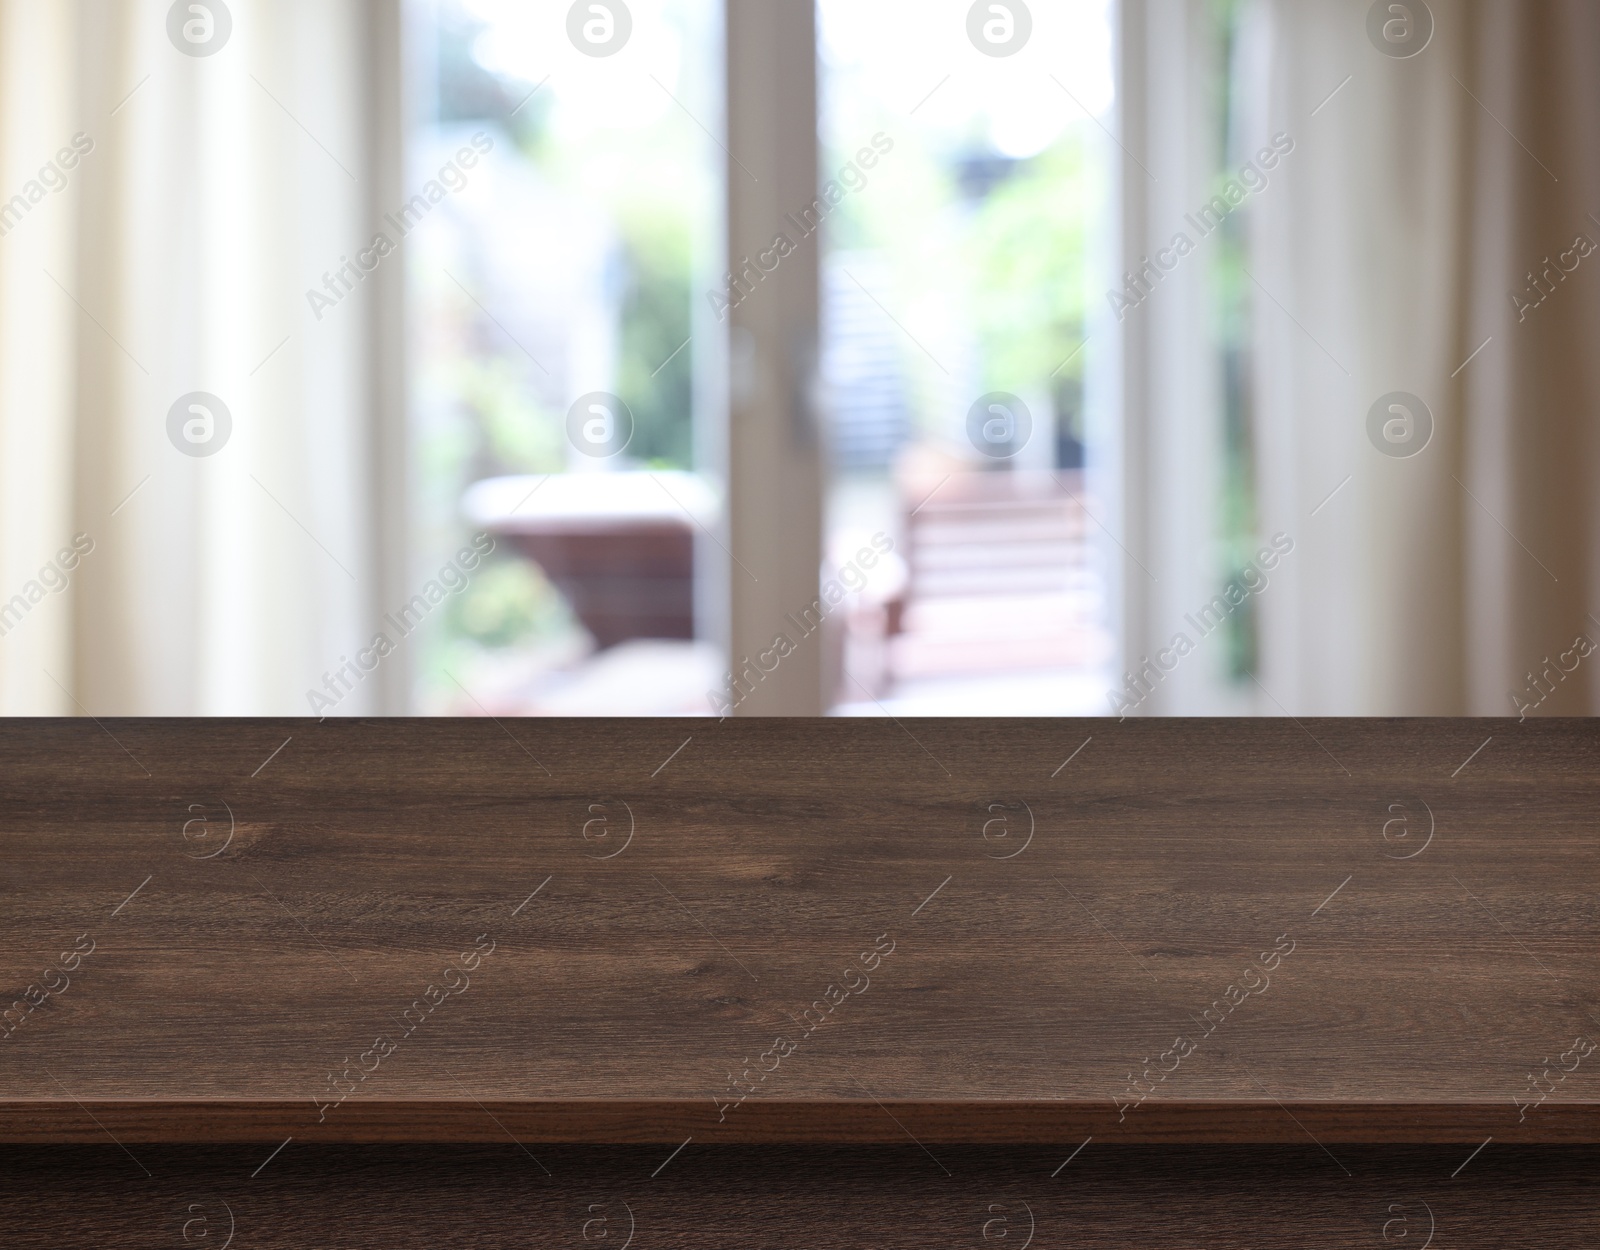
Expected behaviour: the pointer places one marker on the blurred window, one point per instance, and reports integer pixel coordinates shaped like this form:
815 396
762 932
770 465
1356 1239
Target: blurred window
957 341
554 393
558 392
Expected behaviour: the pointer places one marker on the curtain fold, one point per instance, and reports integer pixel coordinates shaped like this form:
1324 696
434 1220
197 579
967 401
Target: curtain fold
231 547
1160 467
1533 410
1428 195
37 223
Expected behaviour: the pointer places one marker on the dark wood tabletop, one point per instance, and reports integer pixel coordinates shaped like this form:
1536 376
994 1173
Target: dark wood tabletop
355 1197
853 931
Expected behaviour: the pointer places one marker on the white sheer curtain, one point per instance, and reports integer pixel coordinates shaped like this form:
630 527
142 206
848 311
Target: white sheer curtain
210 193
1431 186
1384 258
1160 456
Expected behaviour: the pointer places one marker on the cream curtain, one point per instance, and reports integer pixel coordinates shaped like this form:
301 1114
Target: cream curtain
1423 193
1155 378
209 194
1395 250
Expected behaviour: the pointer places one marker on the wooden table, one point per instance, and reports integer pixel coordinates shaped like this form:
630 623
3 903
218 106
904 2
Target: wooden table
992 1198
799 983
664 942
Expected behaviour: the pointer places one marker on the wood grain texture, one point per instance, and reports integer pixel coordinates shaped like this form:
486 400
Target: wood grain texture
616 918
785 1121
1214 1198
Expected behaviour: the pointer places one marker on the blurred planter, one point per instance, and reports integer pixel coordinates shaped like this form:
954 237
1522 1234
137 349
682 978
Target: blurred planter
619 545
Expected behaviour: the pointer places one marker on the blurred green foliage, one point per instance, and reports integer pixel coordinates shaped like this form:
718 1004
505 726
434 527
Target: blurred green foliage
1231 291
516 434
1030 247
655 324
1003 245
508 599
